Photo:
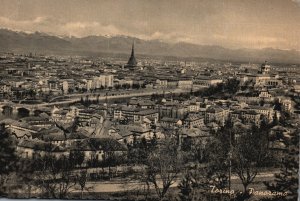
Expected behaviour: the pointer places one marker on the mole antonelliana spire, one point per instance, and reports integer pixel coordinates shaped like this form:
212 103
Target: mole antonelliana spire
132 61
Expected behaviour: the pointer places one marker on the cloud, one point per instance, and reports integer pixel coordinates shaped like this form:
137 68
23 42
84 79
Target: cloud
172 37
20 23
253 41
83 28
40 23
232 35
59 27
80 29
296 1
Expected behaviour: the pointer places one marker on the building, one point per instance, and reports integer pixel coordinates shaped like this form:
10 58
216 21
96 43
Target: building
286 105
194 107
53 84
216 114
5 90
168 122
264 94
265 68
247 116
140 117
274 83
185 84
132 61
161 83
125 112
65 87
173 110
266 111
130 133
34 149
103 81
206 81
193 120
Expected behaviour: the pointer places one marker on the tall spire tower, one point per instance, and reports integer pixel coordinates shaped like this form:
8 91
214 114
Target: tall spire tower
132 61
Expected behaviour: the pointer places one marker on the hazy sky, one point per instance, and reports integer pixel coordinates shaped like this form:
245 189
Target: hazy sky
229 23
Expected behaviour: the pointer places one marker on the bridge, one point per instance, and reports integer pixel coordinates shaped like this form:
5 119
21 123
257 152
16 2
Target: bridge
73 98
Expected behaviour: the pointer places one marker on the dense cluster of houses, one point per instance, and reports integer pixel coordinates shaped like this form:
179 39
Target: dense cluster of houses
62 131
261 97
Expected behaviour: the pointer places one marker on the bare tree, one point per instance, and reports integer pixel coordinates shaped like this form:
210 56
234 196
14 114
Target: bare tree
56 178
82 181
8 158
162 167
248 155
286 182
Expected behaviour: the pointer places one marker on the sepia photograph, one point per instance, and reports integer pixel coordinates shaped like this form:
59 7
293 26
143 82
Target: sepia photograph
150 100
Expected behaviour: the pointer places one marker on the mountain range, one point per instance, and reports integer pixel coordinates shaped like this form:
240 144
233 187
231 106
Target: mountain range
21 42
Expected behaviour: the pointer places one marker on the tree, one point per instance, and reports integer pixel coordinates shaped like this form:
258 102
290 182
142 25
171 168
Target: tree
117 87
216 170
74 125
24 173
153 141
82 101
186 188
162 166
8 157
277 105
287 180
137 152
261 102
275 119
232 85
84 90
195 184
218 166
110 160
82 181
112 156
248 154
98 97
55 178
136 86
126 86
76 157
31 93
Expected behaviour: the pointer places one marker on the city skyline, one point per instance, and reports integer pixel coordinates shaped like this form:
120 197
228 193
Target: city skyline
231 24
150 100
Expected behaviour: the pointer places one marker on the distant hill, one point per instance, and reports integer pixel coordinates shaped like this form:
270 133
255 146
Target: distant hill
44 43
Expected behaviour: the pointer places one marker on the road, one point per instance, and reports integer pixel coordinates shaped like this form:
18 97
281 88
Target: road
125 184
121 185
72 98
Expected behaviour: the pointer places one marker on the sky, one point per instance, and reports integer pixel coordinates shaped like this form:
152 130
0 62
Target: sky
228 23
